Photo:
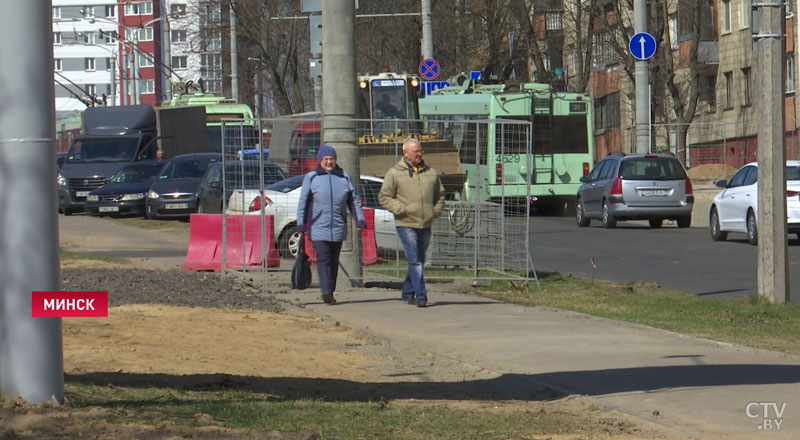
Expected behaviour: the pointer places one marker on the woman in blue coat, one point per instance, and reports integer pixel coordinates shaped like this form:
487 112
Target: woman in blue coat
325 197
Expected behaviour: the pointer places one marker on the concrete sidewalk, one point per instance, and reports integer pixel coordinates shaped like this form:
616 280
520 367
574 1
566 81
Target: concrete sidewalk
701 388
698 387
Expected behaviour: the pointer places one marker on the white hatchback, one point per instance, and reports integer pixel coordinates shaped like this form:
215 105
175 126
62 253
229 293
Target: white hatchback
281 199
735 208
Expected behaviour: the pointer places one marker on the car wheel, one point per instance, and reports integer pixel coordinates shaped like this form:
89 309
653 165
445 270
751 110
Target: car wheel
289 242
752 228
608 218
713 226
67 212
580 215
685 221
656 222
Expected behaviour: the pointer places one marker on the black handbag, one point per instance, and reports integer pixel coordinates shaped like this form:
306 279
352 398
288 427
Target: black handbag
301 272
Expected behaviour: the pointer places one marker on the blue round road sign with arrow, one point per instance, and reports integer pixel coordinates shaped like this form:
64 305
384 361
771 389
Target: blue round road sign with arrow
642 46
429 69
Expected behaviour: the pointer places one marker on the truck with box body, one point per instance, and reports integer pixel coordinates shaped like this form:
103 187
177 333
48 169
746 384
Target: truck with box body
113 137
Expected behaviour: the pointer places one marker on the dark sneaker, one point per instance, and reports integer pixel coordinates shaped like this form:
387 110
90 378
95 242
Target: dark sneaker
411 300
327 298
422 303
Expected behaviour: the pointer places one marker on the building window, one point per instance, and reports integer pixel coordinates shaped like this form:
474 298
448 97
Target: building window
89 64
88 11
111 11
789 10
109 36
708 93
747 86
147 86
139 8
790 73
139 34
91 90
56 38
554 21
606 112
177 9
745 15
178 36
89 38
605 53
673 31
728 90
179 62
145 60
109 63
726 16
57 64
56 12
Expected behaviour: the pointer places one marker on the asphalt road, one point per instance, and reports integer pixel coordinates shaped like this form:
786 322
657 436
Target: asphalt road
685 259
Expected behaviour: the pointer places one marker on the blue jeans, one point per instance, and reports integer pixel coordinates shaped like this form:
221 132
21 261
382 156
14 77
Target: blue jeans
327 263
415 243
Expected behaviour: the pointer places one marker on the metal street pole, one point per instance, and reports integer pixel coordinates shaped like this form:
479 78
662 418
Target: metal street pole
136 94
339 109
427 30
773 276
31 359
641 75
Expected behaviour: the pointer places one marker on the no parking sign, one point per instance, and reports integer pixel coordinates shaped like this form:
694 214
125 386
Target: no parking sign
429 69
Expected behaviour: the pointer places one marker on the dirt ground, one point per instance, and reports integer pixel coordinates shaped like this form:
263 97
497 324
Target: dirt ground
195 331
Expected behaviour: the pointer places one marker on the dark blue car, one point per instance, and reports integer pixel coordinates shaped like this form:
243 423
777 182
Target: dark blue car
174 192
126 191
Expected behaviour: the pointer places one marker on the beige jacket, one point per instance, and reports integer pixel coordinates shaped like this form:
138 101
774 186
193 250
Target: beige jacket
415 198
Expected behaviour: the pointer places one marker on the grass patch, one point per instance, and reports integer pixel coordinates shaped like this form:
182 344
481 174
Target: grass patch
340 420
751 321
70 255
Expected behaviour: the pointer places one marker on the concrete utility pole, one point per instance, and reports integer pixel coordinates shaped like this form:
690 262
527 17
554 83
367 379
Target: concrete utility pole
339 109
641 76
773 276
427 30
234 57
31 360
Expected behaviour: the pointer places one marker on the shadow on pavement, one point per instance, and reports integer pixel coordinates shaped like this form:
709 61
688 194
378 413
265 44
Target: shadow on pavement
526 387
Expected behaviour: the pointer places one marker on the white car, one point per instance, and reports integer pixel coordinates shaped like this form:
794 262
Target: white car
281 198
735 208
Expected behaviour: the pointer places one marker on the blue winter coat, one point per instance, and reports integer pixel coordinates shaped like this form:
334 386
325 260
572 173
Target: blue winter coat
324 200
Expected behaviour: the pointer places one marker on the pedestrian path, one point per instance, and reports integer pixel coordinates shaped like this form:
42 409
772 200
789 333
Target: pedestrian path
703 388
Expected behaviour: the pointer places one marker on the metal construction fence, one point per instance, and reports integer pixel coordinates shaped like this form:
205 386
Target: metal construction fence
729 145
477 239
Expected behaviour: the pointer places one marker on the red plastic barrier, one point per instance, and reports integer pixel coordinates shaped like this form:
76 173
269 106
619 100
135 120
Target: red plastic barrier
205 243
369 246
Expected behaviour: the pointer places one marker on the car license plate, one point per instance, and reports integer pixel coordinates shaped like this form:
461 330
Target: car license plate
655 192
81 193
108 209
176 206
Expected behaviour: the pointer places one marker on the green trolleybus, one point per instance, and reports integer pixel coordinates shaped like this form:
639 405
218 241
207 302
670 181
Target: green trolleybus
512 137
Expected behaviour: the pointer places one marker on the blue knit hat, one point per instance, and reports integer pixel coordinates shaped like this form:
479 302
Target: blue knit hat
325 150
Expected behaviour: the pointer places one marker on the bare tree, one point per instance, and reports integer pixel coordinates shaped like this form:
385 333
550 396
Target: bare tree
281 47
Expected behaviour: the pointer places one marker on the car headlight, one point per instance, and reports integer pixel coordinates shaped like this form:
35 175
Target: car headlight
136 196
92 198
62 181
152 194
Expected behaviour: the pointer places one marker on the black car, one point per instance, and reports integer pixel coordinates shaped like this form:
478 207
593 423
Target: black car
174 193
126 191
239 174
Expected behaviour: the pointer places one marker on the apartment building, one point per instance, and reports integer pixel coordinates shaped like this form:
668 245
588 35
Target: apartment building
118 52
724 125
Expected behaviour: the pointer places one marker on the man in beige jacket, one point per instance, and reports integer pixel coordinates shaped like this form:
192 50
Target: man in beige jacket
413 192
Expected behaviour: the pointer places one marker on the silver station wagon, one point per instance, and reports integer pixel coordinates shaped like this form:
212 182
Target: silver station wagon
651 187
